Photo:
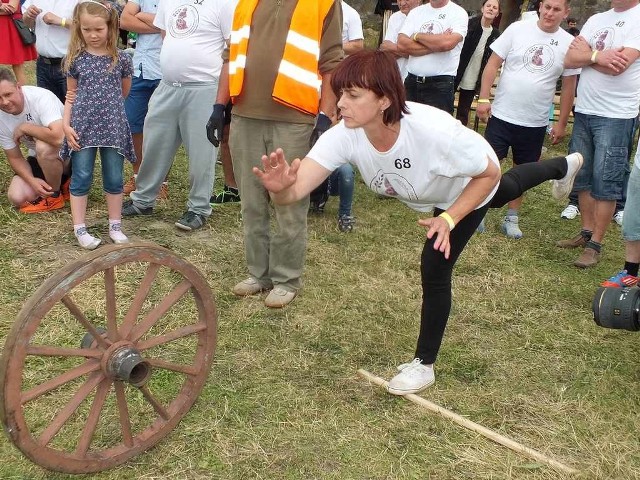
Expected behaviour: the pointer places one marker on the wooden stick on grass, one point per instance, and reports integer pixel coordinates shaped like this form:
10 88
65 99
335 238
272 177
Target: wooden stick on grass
466 423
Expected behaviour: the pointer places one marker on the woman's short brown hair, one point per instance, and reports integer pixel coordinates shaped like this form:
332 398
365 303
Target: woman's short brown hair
375 70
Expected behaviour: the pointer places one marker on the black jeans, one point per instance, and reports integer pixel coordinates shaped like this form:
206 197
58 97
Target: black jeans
50 76
434 91
436 270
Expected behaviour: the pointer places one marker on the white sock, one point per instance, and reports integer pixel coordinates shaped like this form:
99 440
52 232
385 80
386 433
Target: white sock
85 239
115 232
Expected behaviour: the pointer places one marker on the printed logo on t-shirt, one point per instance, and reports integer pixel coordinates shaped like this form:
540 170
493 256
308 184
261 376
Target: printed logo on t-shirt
431 27
603 38
538 58
392 185
184 21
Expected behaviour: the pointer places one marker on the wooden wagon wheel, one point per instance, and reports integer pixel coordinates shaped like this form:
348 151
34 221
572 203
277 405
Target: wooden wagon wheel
106 357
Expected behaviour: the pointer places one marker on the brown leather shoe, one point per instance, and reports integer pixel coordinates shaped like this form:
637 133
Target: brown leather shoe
576 242
129 186
588 258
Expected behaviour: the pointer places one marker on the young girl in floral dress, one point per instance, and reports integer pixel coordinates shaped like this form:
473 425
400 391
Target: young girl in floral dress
99 77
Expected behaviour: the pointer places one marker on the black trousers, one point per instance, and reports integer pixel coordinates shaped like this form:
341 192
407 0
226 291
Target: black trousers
465 99
436 271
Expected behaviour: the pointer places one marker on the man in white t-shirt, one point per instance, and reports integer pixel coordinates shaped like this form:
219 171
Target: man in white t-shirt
52 21
194 36
432 36
32 116
138 16
352 35
390 41
532 58
341 182
608 99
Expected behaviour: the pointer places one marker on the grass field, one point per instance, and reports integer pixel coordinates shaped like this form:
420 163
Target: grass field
521 355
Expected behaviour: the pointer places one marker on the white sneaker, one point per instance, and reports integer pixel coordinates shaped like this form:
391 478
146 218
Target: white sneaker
618 217
511 228
86 240
562 188
413 377
116 235
570 212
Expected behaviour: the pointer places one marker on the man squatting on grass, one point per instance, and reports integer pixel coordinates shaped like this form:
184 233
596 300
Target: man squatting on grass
32 116
427 160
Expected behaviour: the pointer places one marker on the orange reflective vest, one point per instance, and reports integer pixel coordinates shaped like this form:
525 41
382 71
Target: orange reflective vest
298 82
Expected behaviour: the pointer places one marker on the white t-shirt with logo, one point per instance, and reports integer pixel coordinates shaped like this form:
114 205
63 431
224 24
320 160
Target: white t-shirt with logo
351 24
533 62
393 29
52 40
426 19
194 40
607 95
431 162
41 108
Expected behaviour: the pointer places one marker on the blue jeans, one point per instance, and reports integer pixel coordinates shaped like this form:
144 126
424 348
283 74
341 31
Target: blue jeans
605 144
82 163
136 104
435 91
341 182
631 220
50 76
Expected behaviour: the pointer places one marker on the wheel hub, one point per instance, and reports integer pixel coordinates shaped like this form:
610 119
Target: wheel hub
122 361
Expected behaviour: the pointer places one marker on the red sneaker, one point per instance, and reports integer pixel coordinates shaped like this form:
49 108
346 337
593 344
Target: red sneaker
43 204
620 280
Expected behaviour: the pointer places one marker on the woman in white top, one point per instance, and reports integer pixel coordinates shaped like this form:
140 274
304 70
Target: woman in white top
474 55
426 159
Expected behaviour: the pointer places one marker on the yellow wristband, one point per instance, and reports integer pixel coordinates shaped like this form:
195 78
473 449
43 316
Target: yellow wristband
593 56
447 218
63 23
414 37
484 100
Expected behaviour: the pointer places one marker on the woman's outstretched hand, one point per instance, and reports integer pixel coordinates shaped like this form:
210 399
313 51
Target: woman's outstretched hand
439 227
276 174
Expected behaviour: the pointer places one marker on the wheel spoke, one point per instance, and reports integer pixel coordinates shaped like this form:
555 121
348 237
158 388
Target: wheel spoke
75 311
157 406
175 367
110 291
171 336
123 414
87 367
141 295
94 416
49 351
163 307
68 410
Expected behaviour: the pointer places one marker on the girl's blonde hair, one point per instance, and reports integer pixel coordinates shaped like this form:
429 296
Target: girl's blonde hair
77 44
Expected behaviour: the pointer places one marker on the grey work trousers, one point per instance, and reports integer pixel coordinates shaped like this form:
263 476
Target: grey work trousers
178 113
273 258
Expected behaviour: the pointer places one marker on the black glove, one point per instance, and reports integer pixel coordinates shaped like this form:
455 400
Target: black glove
215 125
323 123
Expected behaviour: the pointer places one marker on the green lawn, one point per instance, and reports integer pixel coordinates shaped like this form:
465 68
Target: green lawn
521 355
